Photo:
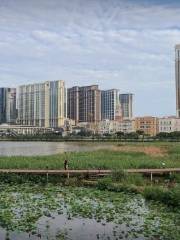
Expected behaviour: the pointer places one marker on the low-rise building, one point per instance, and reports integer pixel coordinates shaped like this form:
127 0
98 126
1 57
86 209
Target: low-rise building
23 130
147 124
69 124
90 127
169 124
111 127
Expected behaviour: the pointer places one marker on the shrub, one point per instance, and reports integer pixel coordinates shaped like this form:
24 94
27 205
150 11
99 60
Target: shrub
118 175
123 188
74 181
104 183
172 197
154 193
136 179
175 177
124 177
168 197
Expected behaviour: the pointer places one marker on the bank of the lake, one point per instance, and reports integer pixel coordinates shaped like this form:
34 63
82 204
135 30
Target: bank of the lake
102 156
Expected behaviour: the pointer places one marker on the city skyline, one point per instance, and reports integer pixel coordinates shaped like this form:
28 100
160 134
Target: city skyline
109 43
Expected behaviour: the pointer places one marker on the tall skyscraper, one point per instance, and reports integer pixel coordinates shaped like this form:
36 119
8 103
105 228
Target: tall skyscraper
110 105
73 103
177 70
8 112
42 104
2 105
11 111
84 104
126 101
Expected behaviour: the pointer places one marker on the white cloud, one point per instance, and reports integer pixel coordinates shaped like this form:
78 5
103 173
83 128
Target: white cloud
45 36
123 44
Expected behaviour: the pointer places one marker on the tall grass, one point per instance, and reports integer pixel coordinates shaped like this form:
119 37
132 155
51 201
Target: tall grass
170 197
101 159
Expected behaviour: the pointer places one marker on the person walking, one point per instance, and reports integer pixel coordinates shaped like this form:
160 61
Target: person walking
65 162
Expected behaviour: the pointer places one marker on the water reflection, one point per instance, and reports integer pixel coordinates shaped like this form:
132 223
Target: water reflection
46 148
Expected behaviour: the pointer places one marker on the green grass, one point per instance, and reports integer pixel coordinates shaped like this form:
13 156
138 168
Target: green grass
103 159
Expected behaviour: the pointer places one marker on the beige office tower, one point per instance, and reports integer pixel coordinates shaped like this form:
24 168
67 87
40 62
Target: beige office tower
177 70
42 104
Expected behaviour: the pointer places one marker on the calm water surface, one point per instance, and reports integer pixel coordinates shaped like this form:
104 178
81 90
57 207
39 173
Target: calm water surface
52 212
47 148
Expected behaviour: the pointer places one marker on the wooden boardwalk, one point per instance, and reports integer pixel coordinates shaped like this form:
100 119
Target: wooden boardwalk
88 172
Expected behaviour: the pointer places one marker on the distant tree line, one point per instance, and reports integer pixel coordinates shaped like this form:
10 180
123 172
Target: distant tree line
83 133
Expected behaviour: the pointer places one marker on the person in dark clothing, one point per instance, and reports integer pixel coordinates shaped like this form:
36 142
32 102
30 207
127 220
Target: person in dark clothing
65 164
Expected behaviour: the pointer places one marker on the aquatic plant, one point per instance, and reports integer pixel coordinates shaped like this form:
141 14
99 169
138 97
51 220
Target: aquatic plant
22 205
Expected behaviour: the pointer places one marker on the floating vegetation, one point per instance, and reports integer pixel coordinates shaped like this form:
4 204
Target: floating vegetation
57 213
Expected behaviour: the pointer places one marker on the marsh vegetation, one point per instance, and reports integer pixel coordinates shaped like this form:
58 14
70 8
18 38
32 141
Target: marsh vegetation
117 156
55 212
120 206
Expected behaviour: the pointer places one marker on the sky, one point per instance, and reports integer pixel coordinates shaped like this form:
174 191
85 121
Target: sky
123 44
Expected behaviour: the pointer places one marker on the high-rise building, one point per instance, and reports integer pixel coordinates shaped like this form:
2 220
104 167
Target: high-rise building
11 111
84 104
73 103
110 105
42 104
8 112
177 70
2 105
126 101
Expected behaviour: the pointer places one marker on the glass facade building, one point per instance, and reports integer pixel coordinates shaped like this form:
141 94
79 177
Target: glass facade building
126 101
2 105
110 104
8 112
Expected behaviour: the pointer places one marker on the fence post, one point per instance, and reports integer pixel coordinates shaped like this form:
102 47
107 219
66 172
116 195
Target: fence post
47 175
151 176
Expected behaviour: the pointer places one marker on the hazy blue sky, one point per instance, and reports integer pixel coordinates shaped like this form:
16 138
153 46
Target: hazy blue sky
121 44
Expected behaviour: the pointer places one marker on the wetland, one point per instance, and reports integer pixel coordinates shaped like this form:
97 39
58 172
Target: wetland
33 211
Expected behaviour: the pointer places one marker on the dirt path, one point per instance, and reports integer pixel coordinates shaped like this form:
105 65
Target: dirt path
149 150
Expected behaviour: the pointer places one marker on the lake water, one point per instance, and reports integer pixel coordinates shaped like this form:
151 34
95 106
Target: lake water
47 148
52 212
